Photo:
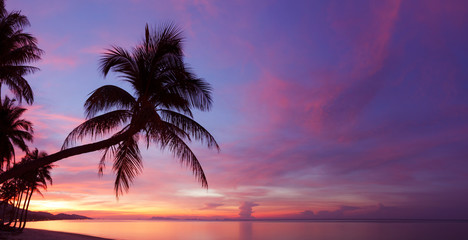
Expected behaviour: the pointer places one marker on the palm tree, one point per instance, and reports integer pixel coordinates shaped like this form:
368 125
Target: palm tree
17 49
16 194
165 92
8 193
13 131
33 181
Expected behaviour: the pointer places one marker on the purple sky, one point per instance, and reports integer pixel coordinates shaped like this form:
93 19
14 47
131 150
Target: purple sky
323 109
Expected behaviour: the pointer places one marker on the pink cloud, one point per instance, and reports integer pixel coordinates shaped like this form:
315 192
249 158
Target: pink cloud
56 53
95 50
59 62
312 100
365 33
42 120
211 206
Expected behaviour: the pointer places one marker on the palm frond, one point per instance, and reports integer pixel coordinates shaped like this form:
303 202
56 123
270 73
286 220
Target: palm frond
189 126
164 39
22 124
97 126
119 60
181 81
26 52
12 71
169 139
17 48
127 164
173 101
15 20
14 131
108 97
108 153
20 88
19 141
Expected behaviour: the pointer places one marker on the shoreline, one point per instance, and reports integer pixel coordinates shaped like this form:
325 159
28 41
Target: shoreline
31 233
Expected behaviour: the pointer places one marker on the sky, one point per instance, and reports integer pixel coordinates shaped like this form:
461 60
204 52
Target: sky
322 109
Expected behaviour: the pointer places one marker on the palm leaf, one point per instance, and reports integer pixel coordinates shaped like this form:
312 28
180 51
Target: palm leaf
108 97
97 126
120 61
168 139
189 126
108 153
127 164
180 80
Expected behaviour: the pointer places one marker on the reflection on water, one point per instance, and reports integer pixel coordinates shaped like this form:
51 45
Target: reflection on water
245 230
259 230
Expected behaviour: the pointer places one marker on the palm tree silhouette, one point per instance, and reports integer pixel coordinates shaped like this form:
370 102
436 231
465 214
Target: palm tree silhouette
33 181
13 132
159 111
8 193
17 49
16 194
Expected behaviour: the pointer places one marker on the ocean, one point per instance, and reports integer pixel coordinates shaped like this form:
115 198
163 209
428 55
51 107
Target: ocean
261 230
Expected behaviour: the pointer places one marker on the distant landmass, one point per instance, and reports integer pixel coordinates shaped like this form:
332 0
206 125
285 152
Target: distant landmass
163 218
42 216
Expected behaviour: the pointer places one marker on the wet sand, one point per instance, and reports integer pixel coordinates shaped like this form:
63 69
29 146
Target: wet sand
30 234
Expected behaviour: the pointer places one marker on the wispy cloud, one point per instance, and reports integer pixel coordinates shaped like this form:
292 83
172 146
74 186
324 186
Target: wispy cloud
211 206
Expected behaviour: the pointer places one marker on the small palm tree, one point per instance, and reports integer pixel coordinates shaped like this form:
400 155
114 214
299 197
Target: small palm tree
33 181
16 194
8 193
13 131
17 49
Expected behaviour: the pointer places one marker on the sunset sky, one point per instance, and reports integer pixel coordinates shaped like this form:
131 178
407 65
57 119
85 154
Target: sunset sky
322 109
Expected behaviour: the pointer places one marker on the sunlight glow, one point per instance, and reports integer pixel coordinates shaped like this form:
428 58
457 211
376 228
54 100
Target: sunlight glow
199 193
52 205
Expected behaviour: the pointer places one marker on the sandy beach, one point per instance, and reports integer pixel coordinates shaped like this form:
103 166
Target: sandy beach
30 234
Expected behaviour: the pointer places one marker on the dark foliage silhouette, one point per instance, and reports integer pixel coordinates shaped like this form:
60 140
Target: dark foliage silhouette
17 49
159 111
14 131
16 193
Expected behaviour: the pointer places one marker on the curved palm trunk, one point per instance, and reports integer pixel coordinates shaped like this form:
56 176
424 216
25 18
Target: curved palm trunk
19 170
26 214
21 217
12 211
16 211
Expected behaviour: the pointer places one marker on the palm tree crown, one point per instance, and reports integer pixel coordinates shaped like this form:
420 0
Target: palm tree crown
159 111
13 131
39 177
17 49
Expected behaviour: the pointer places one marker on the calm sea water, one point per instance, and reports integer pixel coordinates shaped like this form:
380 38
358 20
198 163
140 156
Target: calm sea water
259 230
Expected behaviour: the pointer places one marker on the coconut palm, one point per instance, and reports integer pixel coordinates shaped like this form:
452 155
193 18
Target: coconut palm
17 49
16 194
159 111
33 181
8 193
14 131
